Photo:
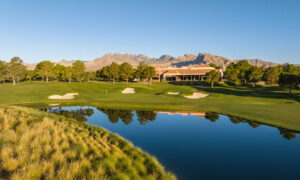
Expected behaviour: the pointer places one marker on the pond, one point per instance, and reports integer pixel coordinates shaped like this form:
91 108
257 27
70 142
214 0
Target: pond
195 145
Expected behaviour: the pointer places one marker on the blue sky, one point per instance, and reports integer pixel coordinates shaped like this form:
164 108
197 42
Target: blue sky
53 30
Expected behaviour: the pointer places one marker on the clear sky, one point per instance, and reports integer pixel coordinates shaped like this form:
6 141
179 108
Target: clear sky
53 30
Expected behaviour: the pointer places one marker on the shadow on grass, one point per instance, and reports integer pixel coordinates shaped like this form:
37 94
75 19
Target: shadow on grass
279 92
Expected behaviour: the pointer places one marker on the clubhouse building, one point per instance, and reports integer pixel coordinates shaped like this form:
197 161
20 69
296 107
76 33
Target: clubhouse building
192 73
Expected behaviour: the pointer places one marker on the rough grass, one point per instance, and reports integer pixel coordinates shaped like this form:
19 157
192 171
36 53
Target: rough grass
269 105
38 145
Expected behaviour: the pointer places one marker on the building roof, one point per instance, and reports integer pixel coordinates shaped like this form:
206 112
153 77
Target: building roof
185 71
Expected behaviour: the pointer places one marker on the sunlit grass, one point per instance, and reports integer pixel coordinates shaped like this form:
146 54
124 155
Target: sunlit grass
37 145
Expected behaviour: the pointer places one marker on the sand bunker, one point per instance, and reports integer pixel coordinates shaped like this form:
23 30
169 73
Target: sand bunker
54 104
197 96
128 91
174 93
66 96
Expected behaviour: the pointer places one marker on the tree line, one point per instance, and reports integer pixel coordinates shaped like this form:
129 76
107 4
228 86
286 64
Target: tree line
15 71
245 73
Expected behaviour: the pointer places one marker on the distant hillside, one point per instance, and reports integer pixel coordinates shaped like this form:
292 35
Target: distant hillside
163 61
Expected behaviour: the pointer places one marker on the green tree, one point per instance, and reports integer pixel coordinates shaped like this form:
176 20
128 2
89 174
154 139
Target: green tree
271 75
69 73
113 71
29 74
90 75
243 66
126 71
233 75
214 66
78 70
149 73
292 80
15 68
103 73
59 71
254 74
3 71
145 71
139 73
212 77
44 69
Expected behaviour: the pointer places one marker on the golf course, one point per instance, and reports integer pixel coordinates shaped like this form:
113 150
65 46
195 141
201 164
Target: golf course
268 105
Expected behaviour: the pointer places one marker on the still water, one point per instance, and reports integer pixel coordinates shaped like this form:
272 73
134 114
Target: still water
195 145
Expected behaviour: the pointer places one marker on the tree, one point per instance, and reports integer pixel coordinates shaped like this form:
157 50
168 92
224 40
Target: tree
126 71
243 66
149 73
139 73
271 75
254 74
90 75
212 77
29 74
15 68
103 73
59 71
233 75
145 71
45 70
113 71
3 69
214 66
292 80
69 73
78 70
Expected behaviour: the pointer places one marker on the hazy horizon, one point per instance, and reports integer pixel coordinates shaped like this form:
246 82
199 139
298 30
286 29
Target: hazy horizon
85 30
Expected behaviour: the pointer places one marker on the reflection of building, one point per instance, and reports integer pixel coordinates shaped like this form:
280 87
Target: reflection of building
193 73
183 113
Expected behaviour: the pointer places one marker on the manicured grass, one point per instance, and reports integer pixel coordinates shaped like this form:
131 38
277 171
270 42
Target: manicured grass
270 105
38 145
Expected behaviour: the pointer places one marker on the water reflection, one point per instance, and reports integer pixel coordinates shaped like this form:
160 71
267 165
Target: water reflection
143 117
78 114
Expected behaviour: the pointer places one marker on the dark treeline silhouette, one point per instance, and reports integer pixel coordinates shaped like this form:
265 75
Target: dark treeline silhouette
78 114
287 134
126 116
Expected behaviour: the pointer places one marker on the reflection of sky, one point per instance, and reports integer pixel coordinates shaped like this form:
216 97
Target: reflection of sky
196 148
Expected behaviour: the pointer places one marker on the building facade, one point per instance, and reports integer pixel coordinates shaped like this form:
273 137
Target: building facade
194 73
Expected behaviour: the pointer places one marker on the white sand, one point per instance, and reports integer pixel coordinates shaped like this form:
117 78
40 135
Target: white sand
197 96
66 96
128 91
54 104
174 93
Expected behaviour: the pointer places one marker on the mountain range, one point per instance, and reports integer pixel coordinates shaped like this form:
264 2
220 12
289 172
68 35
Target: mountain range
163 61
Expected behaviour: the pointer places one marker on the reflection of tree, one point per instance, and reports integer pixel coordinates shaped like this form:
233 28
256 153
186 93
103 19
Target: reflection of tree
145 116
115 114
76 114
254 124
126 116
212 116
287 133
234 120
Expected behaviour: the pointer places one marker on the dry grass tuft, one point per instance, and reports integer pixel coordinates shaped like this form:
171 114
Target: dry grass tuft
37 145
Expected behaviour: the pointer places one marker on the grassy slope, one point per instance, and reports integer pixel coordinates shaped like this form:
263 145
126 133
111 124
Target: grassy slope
267 105
37 145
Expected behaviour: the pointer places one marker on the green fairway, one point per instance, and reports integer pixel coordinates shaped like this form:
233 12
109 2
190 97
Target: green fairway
267 105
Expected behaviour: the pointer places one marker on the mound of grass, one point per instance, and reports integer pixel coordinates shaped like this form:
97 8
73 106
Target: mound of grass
38 145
